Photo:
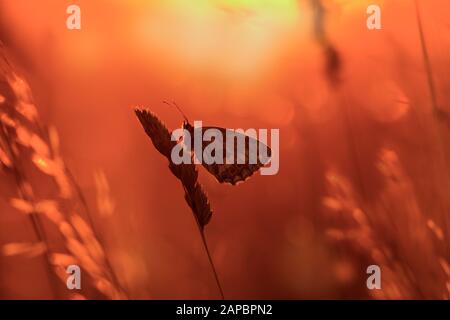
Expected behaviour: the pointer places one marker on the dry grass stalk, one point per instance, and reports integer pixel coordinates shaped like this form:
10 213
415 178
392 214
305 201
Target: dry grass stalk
332 56
105 203
395 234
25 147
187 174
439 113
426 60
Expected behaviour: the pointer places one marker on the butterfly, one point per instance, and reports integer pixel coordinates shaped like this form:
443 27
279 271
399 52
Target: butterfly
243 164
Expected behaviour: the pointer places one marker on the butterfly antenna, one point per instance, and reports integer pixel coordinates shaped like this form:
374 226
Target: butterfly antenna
173 104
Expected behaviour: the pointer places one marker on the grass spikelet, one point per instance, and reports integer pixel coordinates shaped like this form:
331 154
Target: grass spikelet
27 146
4 159
61 259
29 250
392 232
187 174
105 204
22 205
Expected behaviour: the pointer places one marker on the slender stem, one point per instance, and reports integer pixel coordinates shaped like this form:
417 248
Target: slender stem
34 217
434 103
94 228
205 245
211 262
426 59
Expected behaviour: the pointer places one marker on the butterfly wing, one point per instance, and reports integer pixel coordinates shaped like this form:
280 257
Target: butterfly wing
244 161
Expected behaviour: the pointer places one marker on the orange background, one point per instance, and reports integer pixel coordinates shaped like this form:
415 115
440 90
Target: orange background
248 65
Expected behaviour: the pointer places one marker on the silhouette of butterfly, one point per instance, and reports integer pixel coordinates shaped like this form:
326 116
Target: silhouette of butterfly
240 169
